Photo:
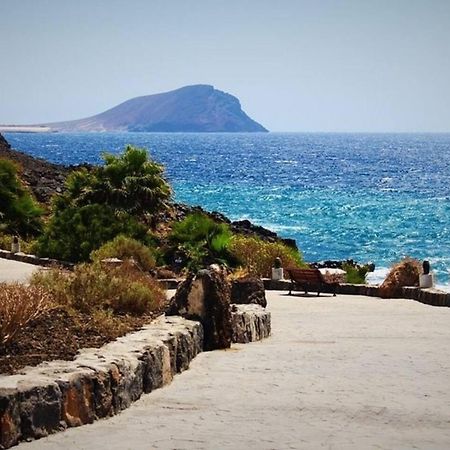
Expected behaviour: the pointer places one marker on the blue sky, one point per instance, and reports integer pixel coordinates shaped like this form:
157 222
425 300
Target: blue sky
366 65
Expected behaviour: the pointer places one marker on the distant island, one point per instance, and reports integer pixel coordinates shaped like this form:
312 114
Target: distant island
198 108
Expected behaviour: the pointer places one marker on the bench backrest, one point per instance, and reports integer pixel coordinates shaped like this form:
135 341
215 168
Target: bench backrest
305 275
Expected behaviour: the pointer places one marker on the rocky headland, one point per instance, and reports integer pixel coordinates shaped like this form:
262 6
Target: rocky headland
198 108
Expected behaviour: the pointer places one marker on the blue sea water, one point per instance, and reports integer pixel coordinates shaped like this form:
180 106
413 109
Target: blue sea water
370 197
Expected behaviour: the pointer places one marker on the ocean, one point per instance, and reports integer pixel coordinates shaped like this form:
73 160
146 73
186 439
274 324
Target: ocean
370 197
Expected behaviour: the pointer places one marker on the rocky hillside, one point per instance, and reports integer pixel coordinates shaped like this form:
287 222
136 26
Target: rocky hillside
199 108
43 178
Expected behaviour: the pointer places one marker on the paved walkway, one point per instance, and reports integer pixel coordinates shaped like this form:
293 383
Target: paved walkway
11 271
338 373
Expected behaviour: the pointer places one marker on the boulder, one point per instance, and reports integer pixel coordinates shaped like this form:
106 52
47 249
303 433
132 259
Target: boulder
205 297
248 290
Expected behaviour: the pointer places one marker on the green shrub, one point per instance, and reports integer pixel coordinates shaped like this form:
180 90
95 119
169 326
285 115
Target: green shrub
19 213
123 247
74 232
202 240
355 275
258 256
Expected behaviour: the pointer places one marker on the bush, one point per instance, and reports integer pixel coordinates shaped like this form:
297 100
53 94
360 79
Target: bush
202 240
355 274
404 273
73 233
123 247
258 256
19 213
19 305
95 287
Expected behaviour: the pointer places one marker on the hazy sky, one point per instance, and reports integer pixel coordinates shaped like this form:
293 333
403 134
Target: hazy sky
362 65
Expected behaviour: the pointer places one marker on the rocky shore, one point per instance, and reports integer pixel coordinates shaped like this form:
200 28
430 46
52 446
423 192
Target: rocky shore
46 179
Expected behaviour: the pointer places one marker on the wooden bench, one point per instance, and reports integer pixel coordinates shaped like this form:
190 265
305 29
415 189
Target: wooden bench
309 279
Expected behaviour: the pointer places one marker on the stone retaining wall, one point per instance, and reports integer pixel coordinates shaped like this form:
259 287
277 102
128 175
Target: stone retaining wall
33 259
101 382
98 383
250 323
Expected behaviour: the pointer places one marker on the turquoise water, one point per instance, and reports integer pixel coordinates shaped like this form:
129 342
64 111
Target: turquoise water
370 197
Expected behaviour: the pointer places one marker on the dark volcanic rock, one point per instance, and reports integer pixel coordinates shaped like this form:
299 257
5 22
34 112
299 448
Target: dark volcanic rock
249 290
43 178
206 297
198 108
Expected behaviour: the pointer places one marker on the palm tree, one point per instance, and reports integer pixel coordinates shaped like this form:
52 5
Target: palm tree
130 183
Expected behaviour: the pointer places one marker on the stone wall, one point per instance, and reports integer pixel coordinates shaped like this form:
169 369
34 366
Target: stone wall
33 259
98 383
101 382
250 323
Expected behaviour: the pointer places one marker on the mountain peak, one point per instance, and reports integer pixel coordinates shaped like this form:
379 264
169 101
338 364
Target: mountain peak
196 108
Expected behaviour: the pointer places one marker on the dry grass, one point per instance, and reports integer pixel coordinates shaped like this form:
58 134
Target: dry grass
404 273
258 257
95 287
19 305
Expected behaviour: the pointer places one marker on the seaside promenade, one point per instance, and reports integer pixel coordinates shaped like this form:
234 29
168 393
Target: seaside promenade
15 271
345 372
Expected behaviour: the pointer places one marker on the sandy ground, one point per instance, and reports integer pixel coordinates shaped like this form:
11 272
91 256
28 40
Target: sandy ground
15 271
338 373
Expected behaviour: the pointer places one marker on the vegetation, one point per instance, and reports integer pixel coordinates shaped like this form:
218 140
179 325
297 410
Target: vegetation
19 305
91 288
355 274
258 256
26 246
129 183
123 247
74 232
404 273
202 241
100 204
19 213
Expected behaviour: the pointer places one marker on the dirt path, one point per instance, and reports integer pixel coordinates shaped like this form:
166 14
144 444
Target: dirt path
346 372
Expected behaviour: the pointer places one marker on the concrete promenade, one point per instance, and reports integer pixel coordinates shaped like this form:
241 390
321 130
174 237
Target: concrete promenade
11 271
338 373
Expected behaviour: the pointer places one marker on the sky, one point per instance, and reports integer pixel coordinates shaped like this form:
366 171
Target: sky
319 65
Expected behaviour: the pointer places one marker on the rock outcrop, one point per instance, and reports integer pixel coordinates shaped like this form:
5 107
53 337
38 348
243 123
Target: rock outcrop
248 290
205 297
